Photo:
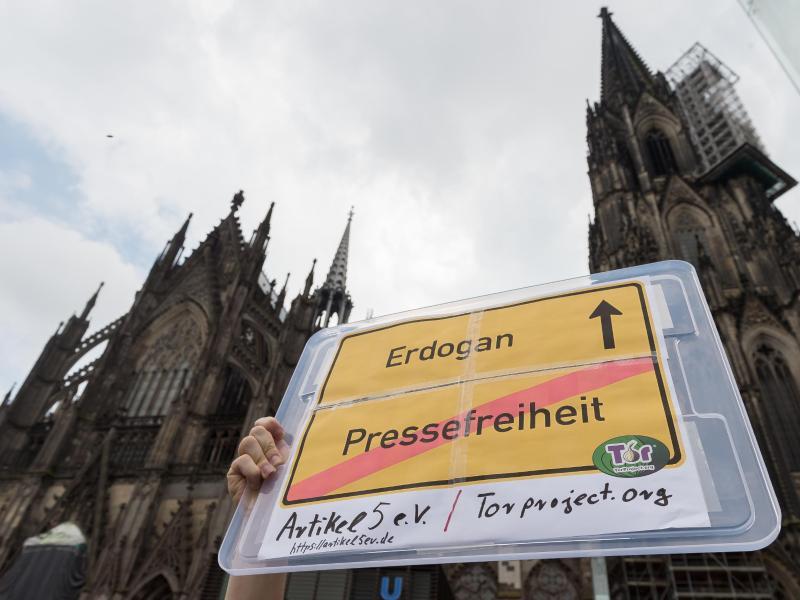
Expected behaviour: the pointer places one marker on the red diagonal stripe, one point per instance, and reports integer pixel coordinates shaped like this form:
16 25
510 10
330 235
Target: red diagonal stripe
546 393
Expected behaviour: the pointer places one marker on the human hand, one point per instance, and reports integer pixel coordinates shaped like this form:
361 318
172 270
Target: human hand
259 455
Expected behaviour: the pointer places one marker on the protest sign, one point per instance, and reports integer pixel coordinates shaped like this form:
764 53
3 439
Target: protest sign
552 420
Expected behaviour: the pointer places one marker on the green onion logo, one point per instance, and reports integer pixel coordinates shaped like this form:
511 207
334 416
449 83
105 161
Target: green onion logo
630 456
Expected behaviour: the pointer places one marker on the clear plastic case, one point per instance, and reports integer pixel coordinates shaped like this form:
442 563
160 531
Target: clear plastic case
588 417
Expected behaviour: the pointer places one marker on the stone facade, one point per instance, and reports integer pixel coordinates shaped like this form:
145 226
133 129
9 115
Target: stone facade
654 201
133 446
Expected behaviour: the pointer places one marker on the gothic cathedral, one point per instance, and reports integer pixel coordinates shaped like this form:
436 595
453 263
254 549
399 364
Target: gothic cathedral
654 200
133 445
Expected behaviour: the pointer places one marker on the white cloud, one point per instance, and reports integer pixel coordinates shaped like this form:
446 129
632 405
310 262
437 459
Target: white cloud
455 128
48 273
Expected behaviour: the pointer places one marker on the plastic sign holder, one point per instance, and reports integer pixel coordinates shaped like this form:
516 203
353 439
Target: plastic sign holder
589 417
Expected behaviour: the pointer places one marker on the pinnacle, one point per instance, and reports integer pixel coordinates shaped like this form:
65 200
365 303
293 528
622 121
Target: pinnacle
237 201
623 72
337 275
91 302
310 278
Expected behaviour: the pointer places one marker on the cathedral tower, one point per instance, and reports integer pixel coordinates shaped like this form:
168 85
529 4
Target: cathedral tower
654 199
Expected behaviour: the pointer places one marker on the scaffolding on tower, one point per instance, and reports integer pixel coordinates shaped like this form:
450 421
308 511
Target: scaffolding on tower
717 118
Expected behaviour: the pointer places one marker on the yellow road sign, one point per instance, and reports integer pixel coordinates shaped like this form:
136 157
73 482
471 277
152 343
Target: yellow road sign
525 390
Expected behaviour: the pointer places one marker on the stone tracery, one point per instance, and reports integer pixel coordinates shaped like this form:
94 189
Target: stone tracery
166 368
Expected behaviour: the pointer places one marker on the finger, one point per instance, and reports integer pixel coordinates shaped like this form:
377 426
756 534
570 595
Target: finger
236 489
249 446
268 445
271 424
243 469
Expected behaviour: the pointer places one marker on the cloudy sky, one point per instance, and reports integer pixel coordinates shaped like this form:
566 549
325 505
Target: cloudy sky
455 128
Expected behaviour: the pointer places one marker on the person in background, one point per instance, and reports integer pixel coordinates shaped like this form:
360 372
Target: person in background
259 455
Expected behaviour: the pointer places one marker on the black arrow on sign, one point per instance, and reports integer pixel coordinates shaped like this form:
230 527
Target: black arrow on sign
605 311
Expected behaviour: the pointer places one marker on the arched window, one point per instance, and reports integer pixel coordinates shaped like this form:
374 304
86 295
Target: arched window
475 582
688 233
236 393
225 424
781 400
166 368
550 580
659 150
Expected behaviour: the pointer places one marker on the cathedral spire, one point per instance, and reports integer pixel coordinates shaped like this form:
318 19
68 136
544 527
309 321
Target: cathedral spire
309 279
7 397
623 74
282 295
91 302
332 296
337 274
181 235
175 245
262 233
